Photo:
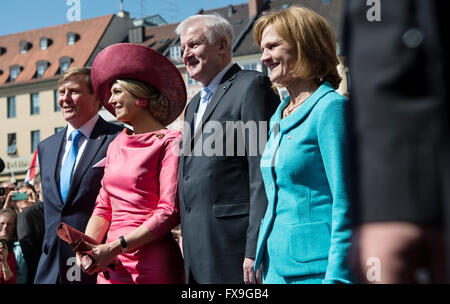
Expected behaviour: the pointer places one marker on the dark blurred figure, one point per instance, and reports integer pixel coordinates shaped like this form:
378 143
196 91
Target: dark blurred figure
399 92
30 231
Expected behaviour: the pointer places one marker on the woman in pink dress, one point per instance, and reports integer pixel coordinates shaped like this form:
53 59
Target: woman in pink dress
137 205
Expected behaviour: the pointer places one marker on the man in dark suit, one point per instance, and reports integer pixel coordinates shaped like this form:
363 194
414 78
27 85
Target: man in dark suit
71 172
222 197
398 58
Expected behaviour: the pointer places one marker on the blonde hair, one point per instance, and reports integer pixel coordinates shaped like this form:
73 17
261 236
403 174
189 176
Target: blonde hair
157 103
313 39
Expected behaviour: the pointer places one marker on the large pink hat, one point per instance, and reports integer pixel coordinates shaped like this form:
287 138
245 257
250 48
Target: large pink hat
134 61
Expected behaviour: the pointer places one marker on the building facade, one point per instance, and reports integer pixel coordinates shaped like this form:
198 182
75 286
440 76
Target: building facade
30 65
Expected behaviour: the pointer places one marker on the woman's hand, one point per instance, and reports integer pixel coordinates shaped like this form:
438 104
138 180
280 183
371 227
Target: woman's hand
103 254
9 203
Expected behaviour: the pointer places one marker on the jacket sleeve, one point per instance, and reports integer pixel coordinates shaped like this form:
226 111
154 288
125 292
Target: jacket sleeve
259 104
332 132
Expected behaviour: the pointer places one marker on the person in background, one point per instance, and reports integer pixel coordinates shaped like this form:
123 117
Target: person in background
31 229
5 188
71 168
138 203
22 197
305 233
222 197
8 264
28 197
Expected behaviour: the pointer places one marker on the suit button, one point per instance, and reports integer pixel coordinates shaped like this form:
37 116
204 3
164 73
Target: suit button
188 209
186 178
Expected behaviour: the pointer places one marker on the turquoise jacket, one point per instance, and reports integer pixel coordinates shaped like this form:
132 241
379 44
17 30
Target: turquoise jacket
306 227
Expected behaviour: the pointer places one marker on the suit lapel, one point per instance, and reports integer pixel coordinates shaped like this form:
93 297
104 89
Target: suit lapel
292 120
93 144
223 87
58 141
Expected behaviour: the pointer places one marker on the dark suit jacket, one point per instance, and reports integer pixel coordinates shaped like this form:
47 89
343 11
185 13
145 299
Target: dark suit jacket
30 232
399 91
57 260
222 198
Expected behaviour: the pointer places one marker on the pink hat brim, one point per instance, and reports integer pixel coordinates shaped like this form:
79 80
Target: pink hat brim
134 61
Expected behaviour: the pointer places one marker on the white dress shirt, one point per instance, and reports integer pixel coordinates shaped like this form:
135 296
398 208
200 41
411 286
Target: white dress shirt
211 87
86 130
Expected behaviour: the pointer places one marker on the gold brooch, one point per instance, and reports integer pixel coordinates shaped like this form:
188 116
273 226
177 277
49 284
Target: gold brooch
159 135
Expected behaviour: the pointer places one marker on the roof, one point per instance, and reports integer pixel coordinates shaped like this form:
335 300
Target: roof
237 15
159 37
89 31
330 10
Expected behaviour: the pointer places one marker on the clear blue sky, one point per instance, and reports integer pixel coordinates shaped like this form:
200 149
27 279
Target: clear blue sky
23 15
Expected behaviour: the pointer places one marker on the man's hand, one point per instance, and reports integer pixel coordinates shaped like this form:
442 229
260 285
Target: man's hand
250 276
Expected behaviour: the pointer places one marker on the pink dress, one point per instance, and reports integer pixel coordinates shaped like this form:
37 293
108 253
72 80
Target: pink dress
140 188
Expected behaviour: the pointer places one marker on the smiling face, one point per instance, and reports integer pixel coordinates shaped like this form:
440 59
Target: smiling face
124 103
279 57
7 226
203 59
77 103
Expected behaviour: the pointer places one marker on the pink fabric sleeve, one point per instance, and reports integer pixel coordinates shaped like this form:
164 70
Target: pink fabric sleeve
166 215
103 204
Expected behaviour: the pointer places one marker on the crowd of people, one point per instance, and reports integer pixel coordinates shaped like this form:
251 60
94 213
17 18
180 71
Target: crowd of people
291 213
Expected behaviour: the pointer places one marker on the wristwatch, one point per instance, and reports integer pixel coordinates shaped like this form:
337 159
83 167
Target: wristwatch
124 244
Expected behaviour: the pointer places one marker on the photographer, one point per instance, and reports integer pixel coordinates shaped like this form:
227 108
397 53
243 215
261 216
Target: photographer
24 196
5 189
8 265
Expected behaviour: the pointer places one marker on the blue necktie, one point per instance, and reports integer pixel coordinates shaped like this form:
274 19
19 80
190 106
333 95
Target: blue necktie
205 95
65 175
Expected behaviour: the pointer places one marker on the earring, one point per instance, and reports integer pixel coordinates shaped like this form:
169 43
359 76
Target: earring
141 102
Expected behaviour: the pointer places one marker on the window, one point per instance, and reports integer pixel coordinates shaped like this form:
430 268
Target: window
57 129
34 104
72 38
175 52
14 72
64 63
11 107
35 139
251 66
190 81
41 67
24 46
56 107
12 146
43 43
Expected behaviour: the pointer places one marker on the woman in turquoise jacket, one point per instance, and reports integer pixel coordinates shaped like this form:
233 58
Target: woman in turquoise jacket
305 234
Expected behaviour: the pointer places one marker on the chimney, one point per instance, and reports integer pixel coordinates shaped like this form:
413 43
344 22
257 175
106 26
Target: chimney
254 7
122 13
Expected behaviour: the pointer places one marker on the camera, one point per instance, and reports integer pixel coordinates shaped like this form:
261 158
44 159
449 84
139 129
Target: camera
20 196
4 242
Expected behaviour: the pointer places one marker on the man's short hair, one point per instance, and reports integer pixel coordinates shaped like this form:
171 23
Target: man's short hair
84 71
217 27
